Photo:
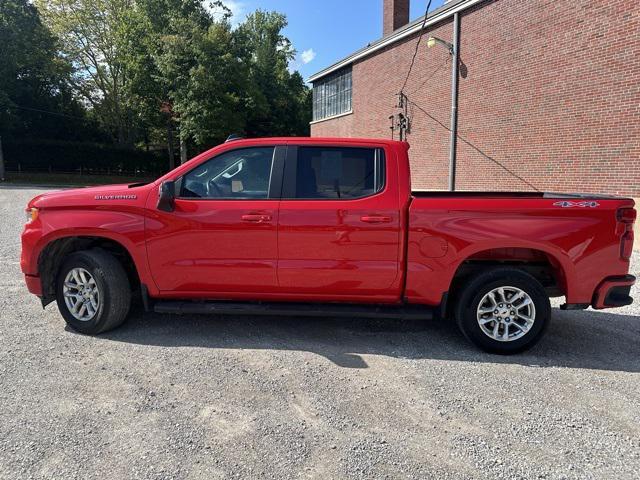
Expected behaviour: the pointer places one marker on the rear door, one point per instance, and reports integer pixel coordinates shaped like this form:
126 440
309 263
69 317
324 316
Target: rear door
339 224
221 240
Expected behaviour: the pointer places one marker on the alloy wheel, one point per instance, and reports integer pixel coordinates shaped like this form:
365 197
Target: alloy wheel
81 294
506 313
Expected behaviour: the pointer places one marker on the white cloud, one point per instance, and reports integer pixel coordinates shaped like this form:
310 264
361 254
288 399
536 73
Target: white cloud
238 10
307 56
301 59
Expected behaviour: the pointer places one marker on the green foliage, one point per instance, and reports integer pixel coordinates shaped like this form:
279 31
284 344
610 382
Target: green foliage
146 72
34 78
90 33
186 69
280 101
40 155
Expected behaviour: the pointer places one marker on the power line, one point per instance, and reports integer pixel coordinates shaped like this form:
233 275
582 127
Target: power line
446 61
474 147
65 115
415 53
49 112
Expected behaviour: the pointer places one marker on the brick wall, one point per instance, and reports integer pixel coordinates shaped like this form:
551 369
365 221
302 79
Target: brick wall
395 14
549 98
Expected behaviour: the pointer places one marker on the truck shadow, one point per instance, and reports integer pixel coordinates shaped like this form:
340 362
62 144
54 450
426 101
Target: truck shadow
593 340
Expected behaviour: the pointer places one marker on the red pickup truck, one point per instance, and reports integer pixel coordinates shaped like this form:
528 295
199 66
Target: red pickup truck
315 226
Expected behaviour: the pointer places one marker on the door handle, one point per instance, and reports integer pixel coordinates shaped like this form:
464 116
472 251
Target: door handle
375 219
256 217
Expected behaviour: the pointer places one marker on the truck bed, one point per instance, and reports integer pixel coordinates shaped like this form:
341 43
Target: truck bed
576 234
481 194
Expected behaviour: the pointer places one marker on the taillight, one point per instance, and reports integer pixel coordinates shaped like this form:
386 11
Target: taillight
626 216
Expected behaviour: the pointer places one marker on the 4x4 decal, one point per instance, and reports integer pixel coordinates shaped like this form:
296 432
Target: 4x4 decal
569 204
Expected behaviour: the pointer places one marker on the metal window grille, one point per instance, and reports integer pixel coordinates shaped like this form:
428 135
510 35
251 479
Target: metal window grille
332 95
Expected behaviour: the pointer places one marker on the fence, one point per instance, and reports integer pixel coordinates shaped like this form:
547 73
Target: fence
81 158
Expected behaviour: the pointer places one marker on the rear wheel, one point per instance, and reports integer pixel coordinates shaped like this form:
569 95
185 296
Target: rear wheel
93 291
503 310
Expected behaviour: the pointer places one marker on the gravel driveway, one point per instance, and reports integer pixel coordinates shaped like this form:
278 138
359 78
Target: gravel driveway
241 397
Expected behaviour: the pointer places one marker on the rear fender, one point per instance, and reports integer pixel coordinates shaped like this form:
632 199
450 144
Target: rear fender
430 278
559 260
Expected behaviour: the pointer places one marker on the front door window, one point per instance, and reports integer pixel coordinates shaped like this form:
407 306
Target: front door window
239 174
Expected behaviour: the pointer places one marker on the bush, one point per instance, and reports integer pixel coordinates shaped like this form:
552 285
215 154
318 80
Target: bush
48 155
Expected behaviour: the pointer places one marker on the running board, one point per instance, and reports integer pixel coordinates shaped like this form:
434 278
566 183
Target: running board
403 312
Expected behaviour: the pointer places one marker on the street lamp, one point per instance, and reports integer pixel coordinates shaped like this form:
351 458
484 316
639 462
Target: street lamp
433 41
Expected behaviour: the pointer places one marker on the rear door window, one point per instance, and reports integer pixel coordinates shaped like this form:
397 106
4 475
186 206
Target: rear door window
334 173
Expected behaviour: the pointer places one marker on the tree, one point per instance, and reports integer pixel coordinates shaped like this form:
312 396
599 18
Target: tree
150 70
91 33
34 78
184 69
281 102
209 94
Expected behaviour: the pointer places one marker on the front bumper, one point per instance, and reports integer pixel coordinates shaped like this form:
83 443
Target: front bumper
34 284
614 292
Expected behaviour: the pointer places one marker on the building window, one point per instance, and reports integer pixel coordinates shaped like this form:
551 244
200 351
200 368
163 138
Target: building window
332 95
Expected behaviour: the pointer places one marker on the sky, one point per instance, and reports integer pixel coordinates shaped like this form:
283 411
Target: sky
325 31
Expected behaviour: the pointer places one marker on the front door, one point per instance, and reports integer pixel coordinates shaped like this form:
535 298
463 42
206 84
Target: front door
222 237
339 226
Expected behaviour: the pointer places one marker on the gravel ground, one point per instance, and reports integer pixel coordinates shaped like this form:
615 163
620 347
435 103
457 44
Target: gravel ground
241 397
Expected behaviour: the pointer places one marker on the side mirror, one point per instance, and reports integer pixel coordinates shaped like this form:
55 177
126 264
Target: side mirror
167 196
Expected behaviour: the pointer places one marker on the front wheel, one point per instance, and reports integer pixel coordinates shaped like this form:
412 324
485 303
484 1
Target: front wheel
93 291
503 310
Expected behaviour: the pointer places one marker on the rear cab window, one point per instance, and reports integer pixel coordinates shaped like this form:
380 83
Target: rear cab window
334 173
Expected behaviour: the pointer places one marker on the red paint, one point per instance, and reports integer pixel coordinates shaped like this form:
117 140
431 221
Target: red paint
387 248
211 246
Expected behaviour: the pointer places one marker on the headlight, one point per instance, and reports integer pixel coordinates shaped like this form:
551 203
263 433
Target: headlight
32 214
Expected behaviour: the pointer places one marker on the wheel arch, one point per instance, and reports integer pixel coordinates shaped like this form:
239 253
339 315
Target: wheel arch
553 271
54 252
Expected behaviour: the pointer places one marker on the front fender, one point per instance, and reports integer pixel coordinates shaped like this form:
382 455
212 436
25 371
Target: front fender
124 226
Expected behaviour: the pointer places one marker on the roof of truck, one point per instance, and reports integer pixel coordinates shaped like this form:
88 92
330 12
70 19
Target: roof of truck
316 140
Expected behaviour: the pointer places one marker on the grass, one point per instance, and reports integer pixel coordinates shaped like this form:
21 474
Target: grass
70 179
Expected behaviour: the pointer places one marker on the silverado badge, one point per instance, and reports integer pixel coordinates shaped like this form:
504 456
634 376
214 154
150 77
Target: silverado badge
115 197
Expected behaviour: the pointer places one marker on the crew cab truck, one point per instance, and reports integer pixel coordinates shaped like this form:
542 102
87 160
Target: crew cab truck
325 226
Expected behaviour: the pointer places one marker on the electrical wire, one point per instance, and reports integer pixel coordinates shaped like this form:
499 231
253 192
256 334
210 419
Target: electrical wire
446 61
467 142
48 112
65 115
415 53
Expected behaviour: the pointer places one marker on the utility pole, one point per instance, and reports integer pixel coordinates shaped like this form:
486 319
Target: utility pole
454 102
454 51
172 158
1 162
183 149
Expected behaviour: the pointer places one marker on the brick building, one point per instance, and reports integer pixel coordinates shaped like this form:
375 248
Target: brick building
549 94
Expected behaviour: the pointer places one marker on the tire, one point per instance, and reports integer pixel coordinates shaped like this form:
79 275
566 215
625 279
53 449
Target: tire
96 279
477 297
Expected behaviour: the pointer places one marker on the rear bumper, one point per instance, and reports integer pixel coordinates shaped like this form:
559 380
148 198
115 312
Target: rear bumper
33 284
613 292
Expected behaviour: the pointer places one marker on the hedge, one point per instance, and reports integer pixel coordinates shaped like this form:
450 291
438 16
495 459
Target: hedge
48 155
